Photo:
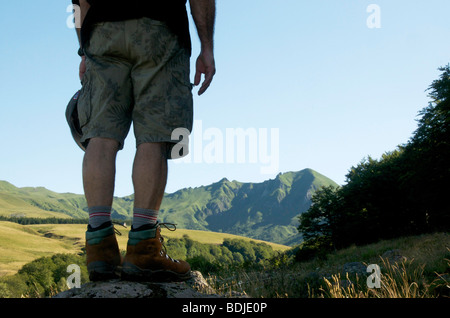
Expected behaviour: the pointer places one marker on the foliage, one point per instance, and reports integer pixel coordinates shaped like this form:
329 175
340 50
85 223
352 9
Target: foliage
42 277
52 220
47 276
422 271
405 279
209 258
315 248
402 193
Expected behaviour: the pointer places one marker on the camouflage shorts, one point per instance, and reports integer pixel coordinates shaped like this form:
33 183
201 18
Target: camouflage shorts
136 72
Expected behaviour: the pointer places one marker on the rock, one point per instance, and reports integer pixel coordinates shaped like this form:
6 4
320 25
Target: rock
196 287
355 268
394 256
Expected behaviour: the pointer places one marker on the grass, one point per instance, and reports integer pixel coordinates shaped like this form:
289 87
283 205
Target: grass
12 204
418 268
399 280
78 231
423 271
20 244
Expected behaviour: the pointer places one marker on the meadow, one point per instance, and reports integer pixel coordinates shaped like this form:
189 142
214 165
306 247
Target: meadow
20 244
410 267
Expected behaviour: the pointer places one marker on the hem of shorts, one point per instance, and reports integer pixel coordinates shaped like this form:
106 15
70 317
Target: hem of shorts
85 139
155 140
172 143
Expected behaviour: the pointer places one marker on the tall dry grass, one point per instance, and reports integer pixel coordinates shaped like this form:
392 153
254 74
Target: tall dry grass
423 272
398 280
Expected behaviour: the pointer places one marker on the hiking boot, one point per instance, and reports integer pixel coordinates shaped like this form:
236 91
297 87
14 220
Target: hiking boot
102 253
147 260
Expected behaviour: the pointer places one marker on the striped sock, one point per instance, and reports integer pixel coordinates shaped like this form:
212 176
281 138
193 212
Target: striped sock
144 216
99 215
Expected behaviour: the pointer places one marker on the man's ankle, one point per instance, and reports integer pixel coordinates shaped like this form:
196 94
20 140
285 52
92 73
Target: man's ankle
144 217
100 227
98 215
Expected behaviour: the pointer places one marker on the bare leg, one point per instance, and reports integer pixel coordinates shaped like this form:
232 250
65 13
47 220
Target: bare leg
99 167
99 170
149 175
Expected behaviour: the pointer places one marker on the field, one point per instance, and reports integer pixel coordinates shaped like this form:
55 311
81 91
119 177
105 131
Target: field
14 205
411 267
20 244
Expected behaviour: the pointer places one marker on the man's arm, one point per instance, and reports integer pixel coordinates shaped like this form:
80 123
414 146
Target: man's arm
80 14
204 14
81 7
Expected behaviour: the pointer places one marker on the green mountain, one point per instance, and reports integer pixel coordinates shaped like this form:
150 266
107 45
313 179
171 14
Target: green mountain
266 211
41 202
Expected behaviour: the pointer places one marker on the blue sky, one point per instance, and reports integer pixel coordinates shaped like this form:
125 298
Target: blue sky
334 89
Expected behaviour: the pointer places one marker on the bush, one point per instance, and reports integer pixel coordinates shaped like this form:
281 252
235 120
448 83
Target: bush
42 277
231 251
314 248
204 265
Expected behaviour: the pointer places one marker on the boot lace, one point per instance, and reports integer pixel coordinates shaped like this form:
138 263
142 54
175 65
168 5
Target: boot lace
171 227
118 223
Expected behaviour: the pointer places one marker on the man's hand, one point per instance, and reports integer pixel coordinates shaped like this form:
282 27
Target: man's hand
82 67
204 14
205 65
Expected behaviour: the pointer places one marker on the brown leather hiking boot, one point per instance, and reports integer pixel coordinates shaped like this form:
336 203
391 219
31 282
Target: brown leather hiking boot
146 260
102 253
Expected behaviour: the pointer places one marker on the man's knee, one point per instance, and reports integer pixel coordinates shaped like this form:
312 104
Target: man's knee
159 149
103 144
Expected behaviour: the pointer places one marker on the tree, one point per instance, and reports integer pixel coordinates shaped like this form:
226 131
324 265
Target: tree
321 218
402 193
429 153
46 275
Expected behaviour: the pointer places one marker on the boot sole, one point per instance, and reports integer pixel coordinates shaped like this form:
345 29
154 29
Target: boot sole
131 272
99 271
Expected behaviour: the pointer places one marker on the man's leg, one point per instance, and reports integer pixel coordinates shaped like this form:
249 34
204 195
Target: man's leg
99 169
146 258
149 180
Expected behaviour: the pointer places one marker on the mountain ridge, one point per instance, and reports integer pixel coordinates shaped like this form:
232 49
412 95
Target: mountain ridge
266 210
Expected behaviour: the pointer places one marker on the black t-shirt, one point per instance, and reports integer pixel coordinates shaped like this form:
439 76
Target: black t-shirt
173 12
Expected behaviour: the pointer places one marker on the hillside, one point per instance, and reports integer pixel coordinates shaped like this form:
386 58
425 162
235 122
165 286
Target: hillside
267 211
411 267
20 244
39 202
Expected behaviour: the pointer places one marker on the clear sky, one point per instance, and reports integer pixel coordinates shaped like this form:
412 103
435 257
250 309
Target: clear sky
330 81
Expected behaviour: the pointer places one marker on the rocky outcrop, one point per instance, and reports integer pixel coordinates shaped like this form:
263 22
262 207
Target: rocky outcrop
195 287
394 256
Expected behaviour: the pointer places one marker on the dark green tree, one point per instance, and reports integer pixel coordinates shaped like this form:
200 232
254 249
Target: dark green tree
402 193
428 153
